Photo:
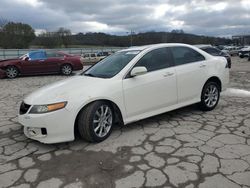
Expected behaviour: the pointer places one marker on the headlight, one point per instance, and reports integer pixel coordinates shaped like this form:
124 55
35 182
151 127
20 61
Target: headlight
39 109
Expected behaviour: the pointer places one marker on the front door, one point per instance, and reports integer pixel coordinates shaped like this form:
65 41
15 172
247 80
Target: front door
154 90
35 64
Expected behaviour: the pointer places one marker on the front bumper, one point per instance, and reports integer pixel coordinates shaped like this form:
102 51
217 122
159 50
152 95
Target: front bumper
52 127
2 73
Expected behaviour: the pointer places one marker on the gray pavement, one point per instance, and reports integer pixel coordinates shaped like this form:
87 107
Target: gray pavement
183 148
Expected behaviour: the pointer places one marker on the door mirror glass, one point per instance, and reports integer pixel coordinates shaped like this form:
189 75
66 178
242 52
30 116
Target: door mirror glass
136 71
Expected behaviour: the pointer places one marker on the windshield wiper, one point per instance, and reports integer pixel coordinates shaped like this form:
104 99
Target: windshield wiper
89 74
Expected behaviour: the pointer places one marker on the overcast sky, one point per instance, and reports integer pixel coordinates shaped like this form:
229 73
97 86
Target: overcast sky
205 17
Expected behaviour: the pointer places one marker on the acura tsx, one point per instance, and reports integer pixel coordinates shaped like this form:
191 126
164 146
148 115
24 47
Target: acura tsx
128 86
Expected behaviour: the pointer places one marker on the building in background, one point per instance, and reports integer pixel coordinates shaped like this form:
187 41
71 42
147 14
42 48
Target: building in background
241 40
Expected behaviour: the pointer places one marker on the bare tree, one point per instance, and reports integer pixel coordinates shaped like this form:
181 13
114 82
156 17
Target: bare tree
3 22
65 36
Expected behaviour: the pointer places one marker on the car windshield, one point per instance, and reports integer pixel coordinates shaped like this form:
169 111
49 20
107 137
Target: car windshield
111 65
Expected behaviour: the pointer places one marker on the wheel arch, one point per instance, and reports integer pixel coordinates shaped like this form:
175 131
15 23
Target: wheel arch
214 79
66 63
115 108
10 65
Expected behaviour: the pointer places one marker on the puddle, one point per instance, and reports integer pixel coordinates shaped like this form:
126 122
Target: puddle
236 92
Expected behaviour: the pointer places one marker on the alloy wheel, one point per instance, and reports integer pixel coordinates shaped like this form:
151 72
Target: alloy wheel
211 96
102 121
11 72
66 69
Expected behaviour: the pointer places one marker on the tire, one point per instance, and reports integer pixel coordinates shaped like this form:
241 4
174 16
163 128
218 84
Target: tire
66 69
210 96
12 72
97 114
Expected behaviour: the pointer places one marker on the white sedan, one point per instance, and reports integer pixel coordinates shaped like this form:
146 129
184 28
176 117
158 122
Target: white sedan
127 86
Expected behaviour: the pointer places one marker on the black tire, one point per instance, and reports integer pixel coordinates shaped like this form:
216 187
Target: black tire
66 69
209 100
86 122
12 72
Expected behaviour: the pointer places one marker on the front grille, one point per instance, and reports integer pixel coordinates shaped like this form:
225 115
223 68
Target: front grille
24 108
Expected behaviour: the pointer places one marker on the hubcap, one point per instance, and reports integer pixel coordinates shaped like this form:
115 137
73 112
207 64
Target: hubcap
66 69
102 120
11 72
211 96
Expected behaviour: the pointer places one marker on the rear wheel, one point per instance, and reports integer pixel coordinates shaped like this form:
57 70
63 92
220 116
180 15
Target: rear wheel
66 69
210 96
12 72
95 122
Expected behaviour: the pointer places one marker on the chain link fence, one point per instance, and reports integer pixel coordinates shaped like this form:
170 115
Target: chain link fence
13 53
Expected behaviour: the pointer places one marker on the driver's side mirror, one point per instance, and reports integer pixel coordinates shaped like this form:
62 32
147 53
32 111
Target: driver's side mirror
26 59
136 71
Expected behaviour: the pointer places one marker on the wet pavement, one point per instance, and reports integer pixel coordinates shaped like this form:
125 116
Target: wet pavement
183 148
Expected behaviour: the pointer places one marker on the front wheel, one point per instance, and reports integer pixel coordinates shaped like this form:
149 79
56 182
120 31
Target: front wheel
95 122
66 69
11 72
210 96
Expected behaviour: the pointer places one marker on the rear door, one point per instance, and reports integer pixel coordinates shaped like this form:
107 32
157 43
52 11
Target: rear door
190 72
53 61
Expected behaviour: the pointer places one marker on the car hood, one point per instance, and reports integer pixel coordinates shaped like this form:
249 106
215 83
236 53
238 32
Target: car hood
8 60
65 90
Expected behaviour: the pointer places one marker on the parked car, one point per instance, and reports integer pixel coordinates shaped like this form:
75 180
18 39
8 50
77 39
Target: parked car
103 54
91 58
41 62
216 52
231 50
244 52
127 86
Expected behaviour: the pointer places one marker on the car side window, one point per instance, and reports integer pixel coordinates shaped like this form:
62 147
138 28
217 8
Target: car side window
37 55
156 59
86 55
51 54
92 55
184 55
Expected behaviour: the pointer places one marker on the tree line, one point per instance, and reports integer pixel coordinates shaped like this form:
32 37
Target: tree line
19 35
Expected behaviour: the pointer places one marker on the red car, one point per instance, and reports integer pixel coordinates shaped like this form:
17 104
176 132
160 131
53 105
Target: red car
40 62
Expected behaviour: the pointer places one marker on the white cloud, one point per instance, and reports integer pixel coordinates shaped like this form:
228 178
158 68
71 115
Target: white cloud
210 17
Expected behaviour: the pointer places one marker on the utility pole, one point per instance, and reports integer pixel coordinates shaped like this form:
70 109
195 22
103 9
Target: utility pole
131 36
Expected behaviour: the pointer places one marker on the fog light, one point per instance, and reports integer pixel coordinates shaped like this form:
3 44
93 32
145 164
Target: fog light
36 132
33 131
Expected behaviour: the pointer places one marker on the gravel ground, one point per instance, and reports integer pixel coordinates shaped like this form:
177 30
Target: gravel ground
183 148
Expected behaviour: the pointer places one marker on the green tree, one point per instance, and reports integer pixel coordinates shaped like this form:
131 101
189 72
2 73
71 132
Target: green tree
16 35
48 40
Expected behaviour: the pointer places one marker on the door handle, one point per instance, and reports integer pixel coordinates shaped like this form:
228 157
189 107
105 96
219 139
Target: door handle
202 65
168 74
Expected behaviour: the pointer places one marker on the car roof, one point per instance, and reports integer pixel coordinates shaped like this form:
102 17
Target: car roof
203 45
141 48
